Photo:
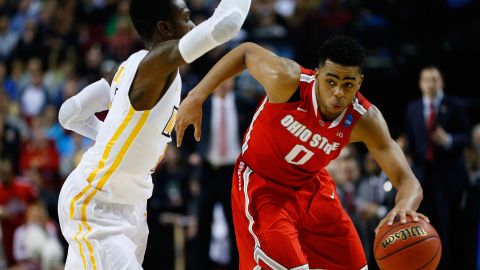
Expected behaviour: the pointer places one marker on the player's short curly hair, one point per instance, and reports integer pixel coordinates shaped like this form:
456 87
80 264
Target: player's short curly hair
146 13
342 50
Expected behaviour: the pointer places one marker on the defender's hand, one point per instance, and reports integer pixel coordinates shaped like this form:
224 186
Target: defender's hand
189 113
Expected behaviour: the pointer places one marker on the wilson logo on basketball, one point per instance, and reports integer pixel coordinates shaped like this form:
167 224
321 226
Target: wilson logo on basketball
403 235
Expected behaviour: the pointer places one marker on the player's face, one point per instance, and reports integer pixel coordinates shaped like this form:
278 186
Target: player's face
181 19
336 87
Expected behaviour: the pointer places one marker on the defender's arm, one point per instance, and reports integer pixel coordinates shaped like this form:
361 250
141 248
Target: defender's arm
280 78
78 112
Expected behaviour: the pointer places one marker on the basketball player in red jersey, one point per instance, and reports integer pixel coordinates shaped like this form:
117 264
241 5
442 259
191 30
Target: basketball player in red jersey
286 211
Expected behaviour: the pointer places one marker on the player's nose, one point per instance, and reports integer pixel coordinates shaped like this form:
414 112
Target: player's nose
338 92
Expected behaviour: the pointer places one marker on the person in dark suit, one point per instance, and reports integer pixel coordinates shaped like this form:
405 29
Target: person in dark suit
438 133
226 118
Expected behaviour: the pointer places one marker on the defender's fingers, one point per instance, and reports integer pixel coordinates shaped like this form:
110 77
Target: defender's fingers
179 129
198 129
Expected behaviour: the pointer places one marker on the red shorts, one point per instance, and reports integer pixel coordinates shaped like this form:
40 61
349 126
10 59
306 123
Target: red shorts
280 227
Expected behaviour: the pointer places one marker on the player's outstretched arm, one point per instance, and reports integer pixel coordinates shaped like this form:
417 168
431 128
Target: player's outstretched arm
223 25
158 69
279 77
78 112
373 131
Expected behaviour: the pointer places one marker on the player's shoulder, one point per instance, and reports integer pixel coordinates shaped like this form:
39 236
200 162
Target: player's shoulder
307 71
136 56
361 103
368 125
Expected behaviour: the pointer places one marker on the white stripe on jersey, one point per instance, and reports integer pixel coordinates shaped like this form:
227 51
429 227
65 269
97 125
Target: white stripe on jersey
247 138
246 179
302 267
314 98
307 78
338 119
258 253
359 107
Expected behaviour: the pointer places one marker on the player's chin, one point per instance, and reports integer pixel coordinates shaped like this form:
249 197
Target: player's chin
337 108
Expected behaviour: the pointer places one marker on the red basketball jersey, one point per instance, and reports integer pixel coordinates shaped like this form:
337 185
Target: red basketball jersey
289 143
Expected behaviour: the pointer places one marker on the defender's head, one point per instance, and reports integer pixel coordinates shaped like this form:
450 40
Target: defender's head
431 81
160 20
339 74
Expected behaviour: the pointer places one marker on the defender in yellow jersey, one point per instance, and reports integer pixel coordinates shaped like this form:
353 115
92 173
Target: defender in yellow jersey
102 204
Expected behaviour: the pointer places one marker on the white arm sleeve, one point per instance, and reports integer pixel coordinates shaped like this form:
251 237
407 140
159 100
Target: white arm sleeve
78 112
224 24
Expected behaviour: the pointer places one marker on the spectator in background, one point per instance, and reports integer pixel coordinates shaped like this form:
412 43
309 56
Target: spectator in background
266 26
122 37
6 83
34 96
70 88
227 117
473 156
347 177
93 62
10 139
438 133
15 195
40 155
64 143
26 10
375 197
56 76
473 162
167 206
8 38
30 43
35 243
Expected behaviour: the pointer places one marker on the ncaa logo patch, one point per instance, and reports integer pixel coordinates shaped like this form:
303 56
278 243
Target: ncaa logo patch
348 121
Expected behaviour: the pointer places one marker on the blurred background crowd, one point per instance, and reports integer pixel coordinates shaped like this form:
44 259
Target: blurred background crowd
51 49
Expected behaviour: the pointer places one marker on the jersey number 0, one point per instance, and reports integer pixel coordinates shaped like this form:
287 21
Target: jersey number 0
299 155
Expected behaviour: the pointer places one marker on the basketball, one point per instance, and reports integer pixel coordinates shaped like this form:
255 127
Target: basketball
414 245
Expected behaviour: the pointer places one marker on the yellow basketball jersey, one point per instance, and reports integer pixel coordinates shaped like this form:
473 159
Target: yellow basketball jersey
130 143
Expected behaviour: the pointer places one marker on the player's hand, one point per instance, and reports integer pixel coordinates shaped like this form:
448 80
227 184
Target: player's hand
402 210
189 113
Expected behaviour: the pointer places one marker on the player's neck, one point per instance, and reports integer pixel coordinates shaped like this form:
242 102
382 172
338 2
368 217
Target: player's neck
326 116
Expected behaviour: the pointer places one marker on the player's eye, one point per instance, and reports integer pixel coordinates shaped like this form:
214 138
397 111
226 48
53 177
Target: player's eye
349 85
331 82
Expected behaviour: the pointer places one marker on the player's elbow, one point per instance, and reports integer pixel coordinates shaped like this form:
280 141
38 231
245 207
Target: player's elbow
66 113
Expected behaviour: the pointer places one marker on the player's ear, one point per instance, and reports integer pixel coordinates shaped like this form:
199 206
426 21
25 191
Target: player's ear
165 29
361 81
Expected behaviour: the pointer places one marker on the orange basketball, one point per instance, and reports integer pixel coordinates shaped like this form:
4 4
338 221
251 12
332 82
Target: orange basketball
414 245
